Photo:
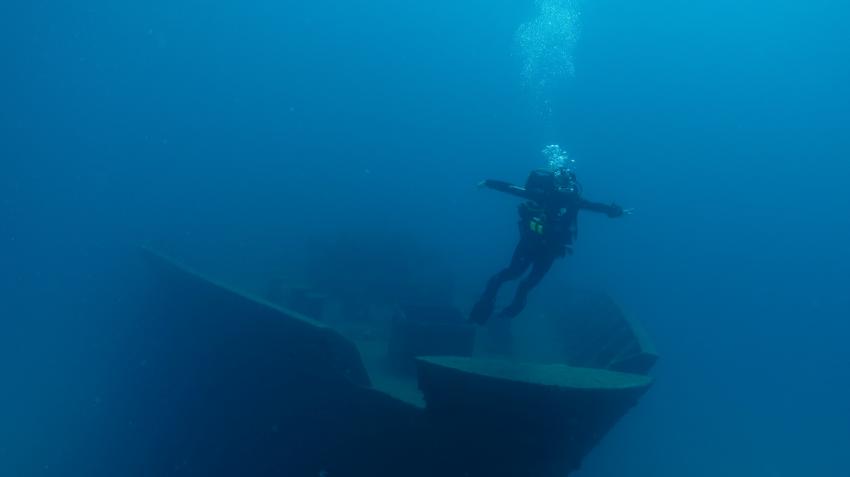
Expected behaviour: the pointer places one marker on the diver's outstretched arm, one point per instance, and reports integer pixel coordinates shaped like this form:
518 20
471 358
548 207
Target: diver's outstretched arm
506 187
612 210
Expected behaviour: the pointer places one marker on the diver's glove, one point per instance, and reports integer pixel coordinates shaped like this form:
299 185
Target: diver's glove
615 210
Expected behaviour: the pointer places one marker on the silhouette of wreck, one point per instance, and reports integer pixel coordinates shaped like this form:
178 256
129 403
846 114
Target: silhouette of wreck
239 386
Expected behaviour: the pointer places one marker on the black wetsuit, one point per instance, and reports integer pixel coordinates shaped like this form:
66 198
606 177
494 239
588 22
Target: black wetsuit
547 228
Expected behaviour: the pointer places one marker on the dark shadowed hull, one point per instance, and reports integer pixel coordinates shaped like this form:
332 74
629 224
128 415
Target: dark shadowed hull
237 386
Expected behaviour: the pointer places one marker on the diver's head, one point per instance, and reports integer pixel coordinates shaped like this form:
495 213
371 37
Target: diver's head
566 181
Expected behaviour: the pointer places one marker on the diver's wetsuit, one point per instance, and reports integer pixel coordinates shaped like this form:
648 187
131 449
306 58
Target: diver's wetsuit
547 228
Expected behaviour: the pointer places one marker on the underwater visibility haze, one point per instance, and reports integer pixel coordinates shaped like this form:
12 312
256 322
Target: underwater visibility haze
340 143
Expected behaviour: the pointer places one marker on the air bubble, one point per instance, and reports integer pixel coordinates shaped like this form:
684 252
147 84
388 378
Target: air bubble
545 45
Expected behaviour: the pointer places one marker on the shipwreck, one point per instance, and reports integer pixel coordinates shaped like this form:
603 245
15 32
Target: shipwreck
237 385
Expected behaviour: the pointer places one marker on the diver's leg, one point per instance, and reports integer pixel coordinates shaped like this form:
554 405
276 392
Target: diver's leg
520 262
542 264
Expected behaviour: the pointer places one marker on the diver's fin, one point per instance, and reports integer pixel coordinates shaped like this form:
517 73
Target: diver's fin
481 312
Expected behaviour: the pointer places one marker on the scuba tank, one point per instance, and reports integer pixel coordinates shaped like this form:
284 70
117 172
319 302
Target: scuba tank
532 214
544 217
541 180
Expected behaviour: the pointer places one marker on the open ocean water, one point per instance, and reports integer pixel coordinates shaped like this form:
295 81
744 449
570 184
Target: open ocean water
237 134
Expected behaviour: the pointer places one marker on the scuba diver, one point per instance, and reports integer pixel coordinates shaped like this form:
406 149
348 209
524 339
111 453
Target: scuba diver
547 229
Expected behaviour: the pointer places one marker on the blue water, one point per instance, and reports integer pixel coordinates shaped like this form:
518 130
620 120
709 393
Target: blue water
235 132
